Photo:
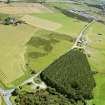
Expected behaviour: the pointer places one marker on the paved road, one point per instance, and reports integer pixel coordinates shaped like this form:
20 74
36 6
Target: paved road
6 95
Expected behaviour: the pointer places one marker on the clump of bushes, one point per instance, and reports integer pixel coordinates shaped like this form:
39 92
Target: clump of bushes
11 20
41 97
71 75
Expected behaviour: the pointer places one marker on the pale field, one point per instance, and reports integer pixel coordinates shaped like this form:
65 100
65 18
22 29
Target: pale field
41 23
22 8
12 49
59 44
0 100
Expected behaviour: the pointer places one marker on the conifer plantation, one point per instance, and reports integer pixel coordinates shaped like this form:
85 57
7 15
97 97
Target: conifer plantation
71 75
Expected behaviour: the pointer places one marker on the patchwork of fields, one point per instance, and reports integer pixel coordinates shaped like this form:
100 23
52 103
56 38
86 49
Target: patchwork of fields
46 36
54 44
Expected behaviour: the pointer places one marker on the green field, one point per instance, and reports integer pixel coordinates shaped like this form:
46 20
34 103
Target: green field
13 47
45 47
96 46
99 94
96 50
70 25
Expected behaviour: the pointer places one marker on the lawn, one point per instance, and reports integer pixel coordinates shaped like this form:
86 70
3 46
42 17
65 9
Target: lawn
69 26
12 48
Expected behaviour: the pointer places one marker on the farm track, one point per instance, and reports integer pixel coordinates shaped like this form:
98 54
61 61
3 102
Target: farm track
7 93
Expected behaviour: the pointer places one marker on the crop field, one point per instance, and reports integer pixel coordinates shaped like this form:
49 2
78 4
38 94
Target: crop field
12 45
0 100
96 50
69 26
23 8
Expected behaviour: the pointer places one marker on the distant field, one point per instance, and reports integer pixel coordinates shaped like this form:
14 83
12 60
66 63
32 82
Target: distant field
41 23
22 8
96 50
69 25
12 48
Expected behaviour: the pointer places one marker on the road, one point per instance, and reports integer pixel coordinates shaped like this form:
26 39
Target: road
82 33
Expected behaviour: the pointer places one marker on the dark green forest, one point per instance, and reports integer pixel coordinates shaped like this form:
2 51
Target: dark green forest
71 75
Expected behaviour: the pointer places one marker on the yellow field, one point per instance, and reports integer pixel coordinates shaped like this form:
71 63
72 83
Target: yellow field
12 48
41 23
0 100
22 8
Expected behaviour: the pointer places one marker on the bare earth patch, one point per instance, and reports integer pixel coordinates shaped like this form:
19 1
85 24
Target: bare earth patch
41 23
22 8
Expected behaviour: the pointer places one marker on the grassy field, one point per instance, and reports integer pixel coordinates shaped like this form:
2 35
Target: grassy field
22 8
96 49
12 48
45 47
69 25
41 23
99 98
